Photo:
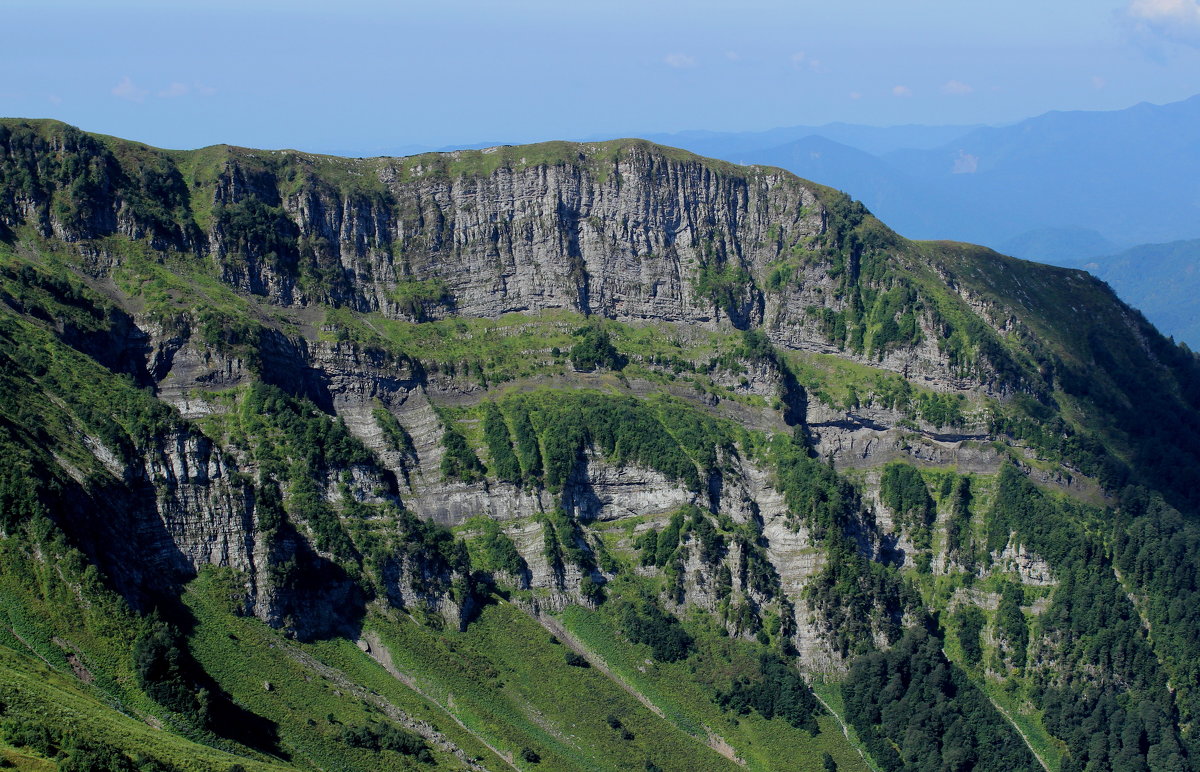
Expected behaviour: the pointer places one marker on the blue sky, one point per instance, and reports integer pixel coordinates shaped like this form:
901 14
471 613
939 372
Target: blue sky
370 76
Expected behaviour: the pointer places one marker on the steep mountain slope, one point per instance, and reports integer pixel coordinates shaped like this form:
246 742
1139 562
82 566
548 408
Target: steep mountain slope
1160 277
586 456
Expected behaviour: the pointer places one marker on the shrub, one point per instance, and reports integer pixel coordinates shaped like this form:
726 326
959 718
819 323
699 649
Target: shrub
161 663
385 737
594 351
779 691
645 623
504 464
499 553
459 462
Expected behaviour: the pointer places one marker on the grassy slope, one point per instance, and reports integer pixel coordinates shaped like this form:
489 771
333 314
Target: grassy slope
65 645
507 681
503 678
310 702
679 691
31 688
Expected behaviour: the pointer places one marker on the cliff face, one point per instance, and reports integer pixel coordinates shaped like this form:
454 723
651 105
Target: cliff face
619 230
621 237
622 230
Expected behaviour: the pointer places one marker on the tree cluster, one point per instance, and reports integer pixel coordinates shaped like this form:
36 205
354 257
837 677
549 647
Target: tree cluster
643 621
778 690
914 710
385 737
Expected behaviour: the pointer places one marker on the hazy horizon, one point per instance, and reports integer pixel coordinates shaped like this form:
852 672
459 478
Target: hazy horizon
374 76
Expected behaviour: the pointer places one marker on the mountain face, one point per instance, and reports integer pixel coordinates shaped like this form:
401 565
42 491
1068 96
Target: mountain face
1161 278
569 456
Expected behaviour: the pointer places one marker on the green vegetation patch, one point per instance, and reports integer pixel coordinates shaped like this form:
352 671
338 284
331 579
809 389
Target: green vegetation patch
914 709
903 490
509 682
319 715
687 692
547 431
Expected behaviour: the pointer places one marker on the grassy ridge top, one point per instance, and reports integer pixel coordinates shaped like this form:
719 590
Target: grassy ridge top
200 168
456 162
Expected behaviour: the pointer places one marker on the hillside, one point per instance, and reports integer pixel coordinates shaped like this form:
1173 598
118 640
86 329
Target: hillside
569 456
1161 278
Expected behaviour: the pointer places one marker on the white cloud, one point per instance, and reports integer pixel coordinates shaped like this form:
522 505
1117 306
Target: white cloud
901 91
798 59
174 90
679 61
1175 20
54 99
855 95
132 92
127 90
1180 11
965 163
1098 82
956 88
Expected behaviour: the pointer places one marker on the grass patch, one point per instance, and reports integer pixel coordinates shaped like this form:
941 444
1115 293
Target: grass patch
310 704
32 690
506 681
684 691
1028 722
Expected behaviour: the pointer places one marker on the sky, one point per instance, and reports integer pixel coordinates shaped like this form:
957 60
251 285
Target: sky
363 77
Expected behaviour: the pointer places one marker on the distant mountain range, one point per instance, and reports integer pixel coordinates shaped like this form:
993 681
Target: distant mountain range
1128 175
1065 188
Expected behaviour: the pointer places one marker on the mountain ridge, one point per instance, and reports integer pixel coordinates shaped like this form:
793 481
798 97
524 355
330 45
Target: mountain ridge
720 422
